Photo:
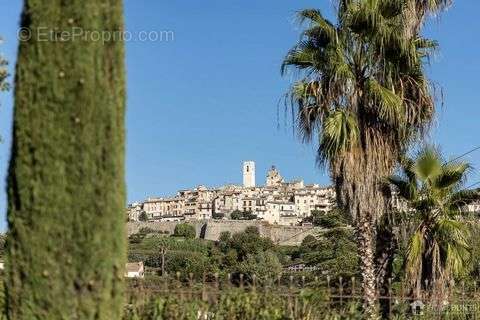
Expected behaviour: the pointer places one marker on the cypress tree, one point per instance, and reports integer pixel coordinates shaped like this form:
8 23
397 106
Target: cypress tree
66 247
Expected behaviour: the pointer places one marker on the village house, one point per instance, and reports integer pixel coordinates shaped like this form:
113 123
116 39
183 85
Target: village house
134 270
277 202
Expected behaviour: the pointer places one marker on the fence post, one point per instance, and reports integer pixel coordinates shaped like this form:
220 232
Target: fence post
217 285
340 289
329 293
241 280
452 285
353 288
204 287
290 294
178 285
190 285
229 279
402 288
165 282
254 281
390 297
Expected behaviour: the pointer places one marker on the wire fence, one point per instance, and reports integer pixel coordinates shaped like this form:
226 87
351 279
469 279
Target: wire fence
462 297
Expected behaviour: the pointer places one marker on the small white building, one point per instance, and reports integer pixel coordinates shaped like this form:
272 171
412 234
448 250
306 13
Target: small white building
276 209
134 270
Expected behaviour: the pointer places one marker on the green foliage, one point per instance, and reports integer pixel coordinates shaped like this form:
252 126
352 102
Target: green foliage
166 308
181 254
332 219
248 242
334 252
475 245
362 93
218 216
3 239
4 85
264 265
241 215
66 189
237 305
187 262
438 247
233 304
185 230
143 217
245 252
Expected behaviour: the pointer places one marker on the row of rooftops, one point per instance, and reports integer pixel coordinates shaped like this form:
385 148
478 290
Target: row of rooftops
307 189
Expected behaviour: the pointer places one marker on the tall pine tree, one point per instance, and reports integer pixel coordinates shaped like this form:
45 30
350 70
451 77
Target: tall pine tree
66 189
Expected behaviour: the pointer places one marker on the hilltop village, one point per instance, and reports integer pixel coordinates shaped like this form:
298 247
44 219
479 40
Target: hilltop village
278 202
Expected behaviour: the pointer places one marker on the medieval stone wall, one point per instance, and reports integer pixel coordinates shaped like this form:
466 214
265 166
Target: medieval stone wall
211 229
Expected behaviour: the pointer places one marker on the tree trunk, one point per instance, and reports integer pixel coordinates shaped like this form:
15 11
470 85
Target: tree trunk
366 234
163 251
386 246
66 202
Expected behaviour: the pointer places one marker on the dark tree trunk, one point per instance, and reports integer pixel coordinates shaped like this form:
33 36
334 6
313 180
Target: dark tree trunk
386 246
66 194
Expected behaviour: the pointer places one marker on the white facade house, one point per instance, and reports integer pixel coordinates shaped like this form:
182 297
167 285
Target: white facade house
314 197
277 211
134 270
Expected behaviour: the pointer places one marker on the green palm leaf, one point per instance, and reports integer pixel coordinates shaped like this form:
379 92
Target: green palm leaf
389 105
339 133
439 248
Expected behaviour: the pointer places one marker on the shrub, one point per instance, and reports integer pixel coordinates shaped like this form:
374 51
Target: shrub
185 230
218 216
143 217
332 219
240 215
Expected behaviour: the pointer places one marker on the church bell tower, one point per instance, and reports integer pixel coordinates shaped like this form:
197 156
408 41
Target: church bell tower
249 174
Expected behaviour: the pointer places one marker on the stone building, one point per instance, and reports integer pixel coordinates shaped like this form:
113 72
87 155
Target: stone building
278 202
274 178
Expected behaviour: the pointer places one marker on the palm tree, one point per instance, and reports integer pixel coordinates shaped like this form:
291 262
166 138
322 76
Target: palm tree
4 86
438 247
362 89
416 11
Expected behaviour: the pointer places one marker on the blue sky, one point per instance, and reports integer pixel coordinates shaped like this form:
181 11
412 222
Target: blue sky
201 104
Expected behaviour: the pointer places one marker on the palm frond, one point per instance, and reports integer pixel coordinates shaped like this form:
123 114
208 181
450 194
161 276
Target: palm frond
415 251
406 189
452 175
428 164
389 105
302 56
339 132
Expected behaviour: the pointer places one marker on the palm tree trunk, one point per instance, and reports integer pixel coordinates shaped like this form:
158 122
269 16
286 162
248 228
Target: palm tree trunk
366 240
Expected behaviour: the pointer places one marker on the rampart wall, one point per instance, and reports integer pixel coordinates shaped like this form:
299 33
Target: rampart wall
211 229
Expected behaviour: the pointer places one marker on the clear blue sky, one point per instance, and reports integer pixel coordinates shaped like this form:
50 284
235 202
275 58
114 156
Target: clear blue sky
201 104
